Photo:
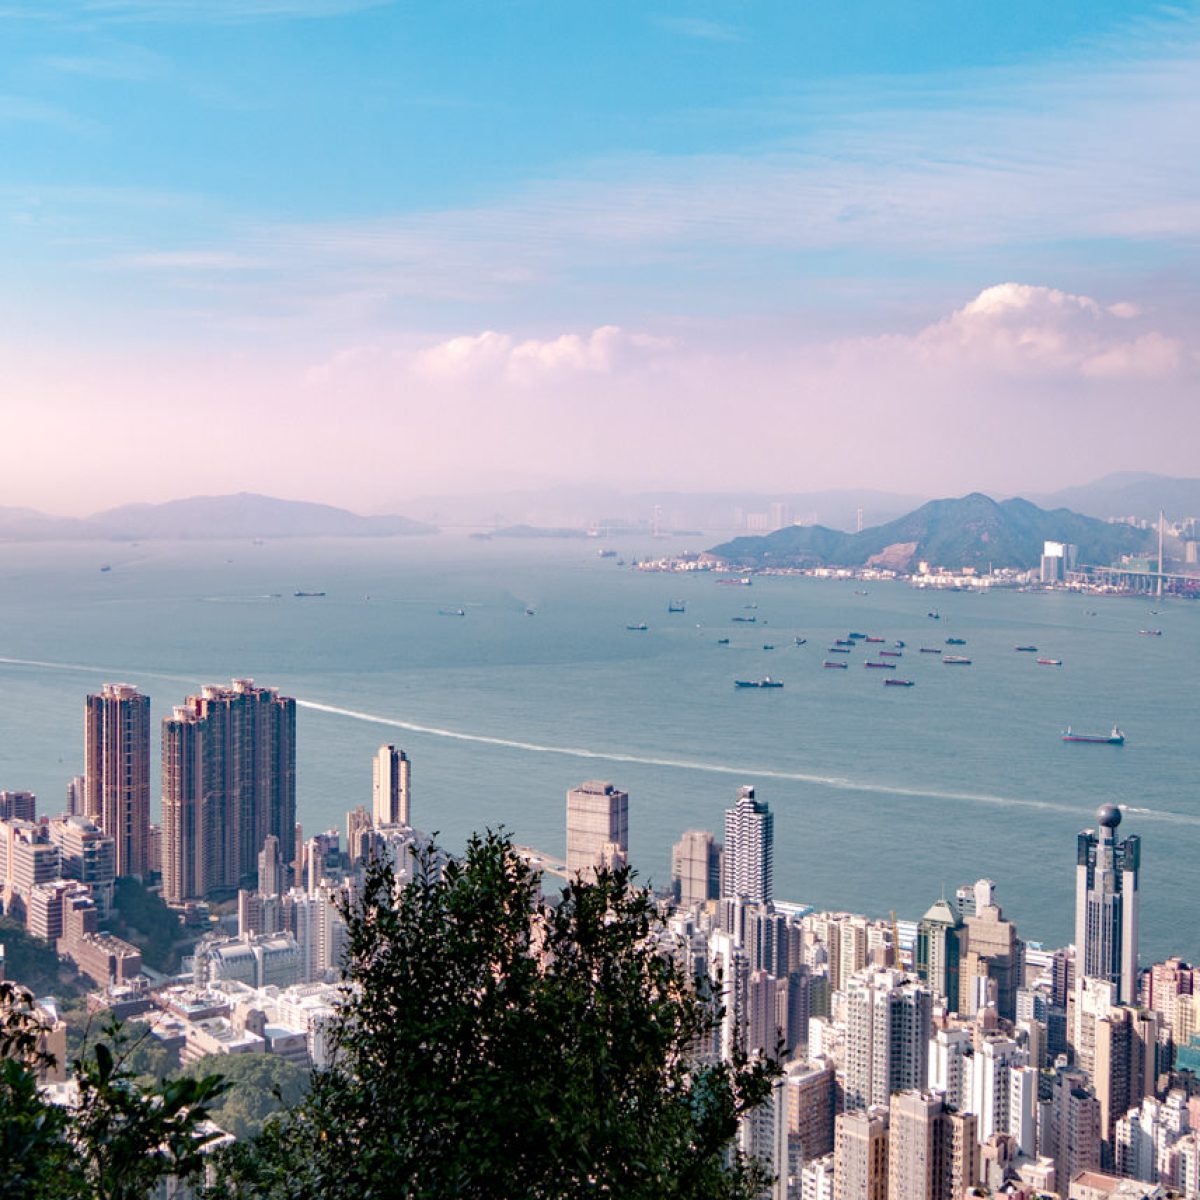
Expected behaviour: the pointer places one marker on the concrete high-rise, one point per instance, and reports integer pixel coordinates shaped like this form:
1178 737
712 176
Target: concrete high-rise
1106 905
229 781
749 863
117 772
860 1155
695 868
933 1153
597 827
939 945
391 787
888 1018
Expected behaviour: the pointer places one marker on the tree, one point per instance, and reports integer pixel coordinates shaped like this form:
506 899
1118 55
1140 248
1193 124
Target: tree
260 1085
491 1044
116 1140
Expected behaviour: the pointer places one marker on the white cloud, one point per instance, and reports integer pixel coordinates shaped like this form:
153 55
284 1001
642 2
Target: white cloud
1021 328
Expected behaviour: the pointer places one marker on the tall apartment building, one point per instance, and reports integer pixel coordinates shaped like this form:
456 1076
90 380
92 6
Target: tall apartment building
18 806
749 862
597 827
391 787
229 782
887 1036
117 772
695 868
1070 1126
88 854
860 1155
933 1152
1004 1091
1106 905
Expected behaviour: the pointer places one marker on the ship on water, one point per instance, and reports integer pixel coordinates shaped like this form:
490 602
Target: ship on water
834 665
1115 738
956 660
765 682
676 606
897 683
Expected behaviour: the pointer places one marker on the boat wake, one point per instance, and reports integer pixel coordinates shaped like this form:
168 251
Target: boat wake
836 782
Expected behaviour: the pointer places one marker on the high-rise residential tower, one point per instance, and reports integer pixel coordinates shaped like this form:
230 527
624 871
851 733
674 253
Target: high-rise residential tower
229 781
696 868
1106 905
391 787
749 863
597 827
117 772
888 1020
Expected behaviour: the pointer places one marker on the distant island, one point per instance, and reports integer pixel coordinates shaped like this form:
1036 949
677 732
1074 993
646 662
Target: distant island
971 531
244 515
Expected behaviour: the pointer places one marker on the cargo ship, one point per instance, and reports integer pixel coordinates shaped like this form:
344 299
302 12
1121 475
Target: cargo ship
451 612
881 666
956 641
838 665
307 594
1049 662
873 639
838 650
930 650
956 660
640 627
844 641
1116 738
676 606
742 581
745 620
1028 649
765 682
1150 632
897 683
891 653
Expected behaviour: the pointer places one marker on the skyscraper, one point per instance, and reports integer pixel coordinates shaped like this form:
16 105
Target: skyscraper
933 1153
1106 905
597 826
888 1018
695 868
748 869
939 945
391 787
229 780
117 771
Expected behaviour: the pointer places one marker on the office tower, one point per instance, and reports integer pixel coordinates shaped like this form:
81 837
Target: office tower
229 781
939 944
391 787
933 1153
860 1155
359 826
1106 905
695 868
76 796
270 867
887 1036
18 806
992 951
597 825
748 868
117 771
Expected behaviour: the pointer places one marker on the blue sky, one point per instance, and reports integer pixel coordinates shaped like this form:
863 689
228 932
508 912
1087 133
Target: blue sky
509 233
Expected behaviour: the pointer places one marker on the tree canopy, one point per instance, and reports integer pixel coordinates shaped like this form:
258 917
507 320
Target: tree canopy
493 1044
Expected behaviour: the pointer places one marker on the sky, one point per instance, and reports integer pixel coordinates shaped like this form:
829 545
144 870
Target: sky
361 251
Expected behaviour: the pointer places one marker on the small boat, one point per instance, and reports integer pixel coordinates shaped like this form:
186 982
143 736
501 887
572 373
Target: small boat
930 650
746 620
749 605
722 641
857 636
606 554
451 612
897 683
306 594
1026 649
1049 662
1116 738
898 644
881 666
531 612
801 641
956 660
860 592
1150 632
935 615
740 581
104 568
767 646
834 665
891 654
837 650
956 641
765 682
843 642
874 639
640 627
676 606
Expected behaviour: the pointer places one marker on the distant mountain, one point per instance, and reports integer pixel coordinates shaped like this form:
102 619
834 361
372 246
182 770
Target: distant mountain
244 515
1131 494
974 531
581 506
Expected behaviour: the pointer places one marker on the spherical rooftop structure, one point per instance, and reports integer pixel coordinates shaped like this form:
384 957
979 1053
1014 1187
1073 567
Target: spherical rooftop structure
1109 816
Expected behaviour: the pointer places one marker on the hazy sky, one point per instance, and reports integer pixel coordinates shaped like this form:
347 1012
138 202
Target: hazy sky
357 251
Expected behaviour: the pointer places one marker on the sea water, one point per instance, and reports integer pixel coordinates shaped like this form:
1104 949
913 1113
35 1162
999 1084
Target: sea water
882 796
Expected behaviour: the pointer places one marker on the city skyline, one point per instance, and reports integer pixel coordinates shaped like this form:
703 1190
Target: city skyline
940 225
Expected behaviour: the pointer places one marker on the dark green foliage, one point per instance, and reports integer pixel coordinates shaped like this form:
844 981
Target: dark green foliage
492 1045
143 918
260 1085
35 964
117 1142
973 531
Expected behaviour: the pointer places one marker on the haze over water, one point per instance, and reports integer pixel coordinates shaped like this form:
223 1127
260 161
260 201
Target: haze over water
881 795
